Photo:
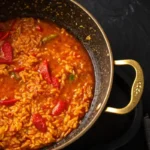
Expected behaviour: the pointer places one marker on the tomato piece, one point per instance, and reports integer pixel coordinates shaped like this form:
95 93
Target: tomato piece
19 69
4 36
43 69
39 28
39 122
8 102
59 108
7 50
55 82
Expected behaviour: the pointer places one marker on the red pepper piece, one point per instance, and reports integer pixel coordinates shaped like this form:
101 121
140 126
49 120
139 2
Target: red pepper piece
12 25
7 50
1 34
34 54
39 122
59 108
10 115
39 28
4 61
55 82
19 69
2 26
8 102
5 36
45 107
43 69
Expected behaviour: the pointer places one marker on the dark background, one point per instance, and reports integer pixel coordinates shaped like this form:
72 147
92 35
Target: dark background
127 26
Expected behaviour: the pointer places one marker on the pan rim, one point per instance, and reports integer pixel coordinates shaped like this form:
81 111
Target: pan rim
73 139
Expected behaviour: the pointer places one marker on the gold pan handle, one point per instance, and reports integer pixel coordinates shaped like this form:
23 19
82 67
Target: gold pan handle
136 91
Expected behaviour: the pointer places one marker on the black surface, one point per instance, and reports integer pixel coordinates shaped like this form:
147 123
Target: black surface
147 129
127 25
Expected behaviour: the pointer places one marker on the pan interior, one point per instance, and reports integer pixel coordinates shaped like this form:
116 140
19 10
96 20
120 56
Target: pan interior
76 20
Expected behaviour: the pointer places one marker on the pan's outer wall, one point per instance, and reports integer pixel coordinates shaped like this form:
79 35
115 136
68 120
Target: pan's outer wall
76 20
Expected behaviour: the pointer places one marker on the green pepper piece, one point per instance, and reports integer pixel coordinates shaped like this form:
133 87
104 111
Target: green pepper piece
14 75
49 38
71 77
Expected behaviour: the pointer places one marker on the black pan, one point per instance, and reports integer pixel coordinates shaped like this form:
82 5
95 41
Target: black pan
73 17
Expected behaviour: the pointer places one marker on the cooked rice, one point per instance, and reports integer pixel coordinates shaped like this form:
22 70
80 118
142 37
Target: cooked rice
17 131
